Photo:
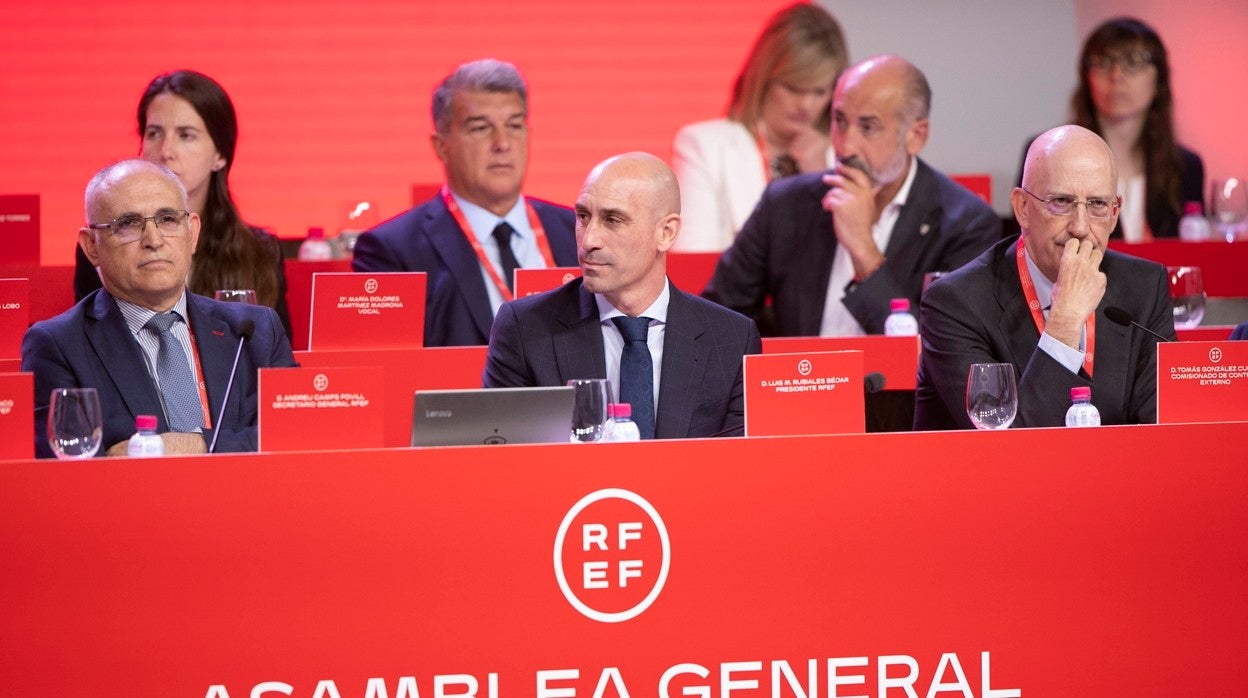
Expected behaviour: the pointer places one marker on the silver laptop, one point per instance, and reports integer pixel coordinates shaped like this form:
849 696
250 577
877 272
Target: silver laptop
492 416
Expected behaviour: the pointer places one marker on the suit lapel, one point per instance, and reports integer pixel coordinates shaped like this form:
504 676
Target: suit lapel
1111 364
685 359
918 222
817 255
578 339
122 357
1016 325
562 247
452 247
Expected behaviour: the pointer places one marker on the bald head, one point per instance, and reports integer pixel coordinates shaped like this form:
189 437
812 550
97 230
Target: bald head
109 177
892 73
1060 147
627 217
643 171
1069 192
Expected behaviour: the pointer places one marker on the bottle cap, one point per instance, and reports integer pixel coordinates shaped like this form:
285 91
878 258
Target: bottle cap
899 304
145 422
316 233
1192 208
623 409
1082 392
610 410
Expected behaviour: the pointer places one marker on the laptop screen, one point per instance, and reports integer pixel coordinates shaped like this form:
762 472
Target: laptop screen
492 416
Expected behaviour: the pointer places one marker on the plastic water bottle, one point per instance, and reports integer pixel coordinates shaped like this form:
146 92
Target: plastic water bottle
621 427
1082 412
900 322
316 248
1194 227
145 443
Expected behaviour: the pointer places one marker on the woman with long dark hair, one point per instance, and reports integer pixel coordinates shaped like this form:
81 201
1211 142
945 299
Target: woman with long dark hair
187 123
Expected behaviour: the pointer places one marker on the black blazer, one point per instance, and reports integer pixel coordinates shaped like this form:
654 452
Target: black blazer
427 238
786 248
90 346
978 314
553 337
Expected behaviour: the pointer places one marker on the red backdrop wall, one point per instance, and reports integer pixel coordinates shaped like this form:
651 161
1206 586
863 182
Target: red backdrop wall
333 97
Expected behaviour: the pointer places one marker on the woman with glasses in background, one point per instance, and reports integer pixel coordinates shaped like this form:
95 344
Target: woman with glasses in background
187 123
777 125
1124 96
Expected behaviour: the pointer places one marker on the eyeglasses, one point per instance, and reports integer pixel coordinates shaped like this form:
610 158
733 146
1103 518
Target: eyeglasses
1131 61
129 227
1065 205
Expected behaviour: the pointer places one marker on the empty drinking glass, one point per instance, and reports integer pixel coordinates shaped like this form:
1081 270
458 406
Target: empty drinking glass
1187 291
75 425
991 396
589 409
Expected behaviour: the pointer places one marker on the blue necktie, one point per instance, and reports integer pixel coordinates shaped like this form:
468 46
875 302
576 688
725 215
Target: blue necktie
506 258
177 383
637 372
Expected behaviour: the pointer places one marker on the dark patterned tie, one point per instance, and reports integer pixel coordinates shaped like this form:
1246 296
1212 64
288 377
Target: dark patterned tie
177 383
637 372
502 233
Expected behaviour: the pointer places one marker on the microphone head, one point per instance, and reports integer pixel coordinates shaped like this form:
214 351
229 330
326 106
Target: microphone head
873 382
246 328
1118 315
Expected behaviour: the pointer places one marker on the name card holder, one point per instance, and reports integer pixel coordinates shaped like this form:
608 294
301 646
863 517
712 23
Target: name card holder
321 408
531 281
1202 382
14 316
367 310
804 393
17 415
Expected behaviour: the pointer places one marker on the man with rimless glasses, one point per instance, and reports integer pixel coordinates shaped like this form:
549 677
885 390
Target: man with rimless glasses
1038 301
144 343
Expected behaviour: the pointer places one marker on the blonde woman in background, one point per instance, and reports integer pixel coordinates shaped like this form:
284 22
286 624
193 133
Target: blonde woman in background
777 125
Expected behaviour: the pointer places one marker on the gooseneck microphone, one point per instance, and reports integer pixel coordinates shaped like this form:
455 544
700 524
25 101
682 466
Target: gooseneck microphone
1119 316
246 328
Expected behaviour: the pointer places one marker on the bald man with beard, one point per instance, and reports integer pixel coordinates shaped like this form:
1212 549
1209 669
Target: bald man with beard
1038 301
627 217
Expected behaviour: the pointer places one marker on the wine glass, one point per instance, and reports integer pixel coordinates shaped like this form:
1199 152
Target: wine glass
589 409
1187 291
236 295
75 425
1229 206
991 396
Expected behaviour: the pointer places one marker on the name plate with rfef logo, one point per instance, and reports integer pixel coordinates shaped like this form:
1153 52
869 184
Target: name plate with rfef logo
531 281
323 407
17 415
804 393
367 311
14 316
1202 382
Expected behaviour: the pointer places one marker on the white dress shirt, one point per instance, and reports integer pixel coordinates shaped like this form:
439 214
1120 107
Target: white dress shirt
613 341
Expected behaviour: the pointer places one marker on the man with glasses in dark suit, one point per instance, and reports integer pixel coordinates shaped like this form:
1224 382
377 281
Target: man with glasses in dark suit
142 341
1038 301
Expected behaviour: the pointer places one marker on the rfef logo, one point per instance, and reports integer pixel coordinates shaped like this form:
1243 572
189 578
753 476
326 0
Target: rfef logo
612 555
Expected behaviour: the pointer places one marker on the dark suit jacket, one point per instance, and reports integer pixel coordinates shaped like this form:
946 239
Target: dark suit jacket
553 337
90 346
427 238
1163 221
1240 331
786 248
978 314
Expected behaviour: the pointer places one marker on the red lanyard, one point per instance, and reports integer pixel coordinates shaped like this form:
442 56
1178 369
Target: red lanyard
535 223
199 374
1033 303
